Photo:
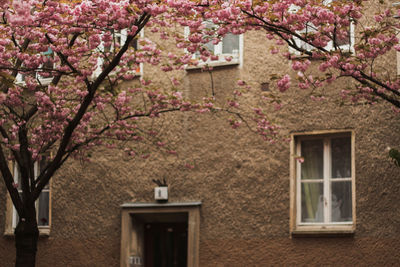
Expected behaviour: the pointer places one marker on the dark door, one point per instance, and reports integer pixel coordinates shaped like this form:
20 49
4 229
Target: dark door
165 244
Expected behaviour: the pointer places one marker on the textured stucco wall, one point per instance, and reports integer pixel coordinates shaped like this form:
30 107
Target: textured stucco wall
242 182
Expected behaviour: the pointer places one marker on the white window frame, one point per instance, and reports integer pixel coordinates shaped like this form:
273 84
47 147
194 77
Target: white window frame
123 34
236 58
296 225
349 48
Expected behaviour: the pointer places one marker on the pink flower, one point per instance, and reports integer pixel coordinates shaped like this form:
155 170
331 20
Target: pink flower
274 51
189 166
284 83
229 58
3 97
241 82
233 104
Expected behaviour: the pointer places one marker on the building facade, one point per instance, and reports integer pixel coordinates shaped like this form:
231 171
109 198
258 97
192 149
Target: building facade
243 201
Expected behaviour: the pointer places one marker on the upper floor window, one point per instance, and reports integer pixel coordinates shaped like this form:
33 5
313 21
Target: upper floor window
118 39
221 51
44 72
343 42
324 182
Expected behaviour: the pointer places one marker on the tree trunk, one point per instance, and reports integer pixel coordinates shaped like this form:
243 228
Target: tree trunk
26 238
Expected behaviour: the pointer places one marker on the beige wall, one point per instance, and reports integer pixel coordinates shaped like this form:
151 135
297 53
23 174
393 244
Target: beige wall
243 183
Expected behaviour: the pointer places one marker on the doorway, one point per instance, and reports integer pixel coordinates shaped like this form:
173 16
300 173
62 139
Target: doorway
165 244
160 234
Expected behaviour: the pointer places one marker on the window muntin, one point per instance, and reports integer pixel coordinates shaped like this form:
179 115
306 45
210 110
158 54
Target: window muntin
324 180
42 203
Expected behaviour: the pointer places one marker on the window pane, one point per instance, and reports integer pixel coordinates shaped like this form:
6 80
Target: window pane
134 44
341 202
211 27
343 40
118 40
42 166
230 44
43 211
17 177
341 157
48 64
312 202
210 47
312 152
15 223
15 213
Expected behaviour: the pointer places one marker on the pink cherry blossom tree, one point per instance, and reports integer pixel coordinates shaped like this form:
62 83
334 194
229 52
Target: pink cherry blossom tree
61 65
65 67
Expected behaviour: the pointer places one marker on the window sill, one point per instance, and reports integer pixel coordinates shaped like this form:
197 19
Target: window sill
43 82
324 230
135 76
217 63
43 232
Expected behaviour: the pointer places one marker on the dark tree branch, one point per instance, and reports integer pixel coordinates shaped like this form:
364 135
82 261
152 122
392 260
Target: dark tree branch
9 181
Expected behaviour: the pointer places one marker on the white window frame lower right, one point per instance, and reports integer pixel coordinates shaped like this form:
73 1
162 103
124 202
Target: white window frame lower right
296 225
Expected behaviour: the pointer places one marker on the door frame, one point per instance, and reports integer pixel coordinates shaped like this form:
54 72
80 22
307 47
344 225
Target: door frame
132 236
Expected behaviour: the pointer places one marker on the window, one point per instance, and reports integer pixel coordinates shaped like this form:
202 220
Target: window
42 203
43 75
118 40
324 182
344 43
228 51
227 47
